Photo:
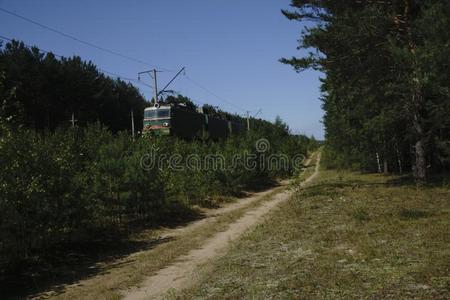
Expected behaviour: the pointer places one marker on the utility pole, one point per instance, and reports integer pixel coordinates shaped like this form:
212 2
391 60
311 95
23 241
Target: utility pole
248 120
155 82
72 120
155 90
132 123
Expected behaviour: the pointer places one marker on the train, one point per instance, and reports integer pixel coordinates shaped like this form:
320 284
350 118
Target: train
180 121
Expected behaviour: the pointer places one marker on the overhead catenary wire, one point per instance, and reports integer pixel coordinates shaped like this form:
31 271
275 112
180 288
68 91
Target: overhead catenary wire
214 94
124 77
115 53
100 69
138 81
257 113
69 36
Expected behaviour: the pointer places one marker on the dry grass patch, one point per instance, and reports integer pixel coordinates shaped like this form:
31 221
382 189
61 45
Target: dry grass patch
346 236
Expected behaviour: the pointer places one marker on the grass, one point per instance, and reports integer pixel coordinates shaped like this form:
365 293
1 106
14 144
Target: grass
345 236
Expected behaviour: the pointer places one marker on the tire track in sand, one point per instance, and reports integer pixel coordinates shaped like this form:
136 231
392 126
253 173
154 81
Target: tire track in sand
179 274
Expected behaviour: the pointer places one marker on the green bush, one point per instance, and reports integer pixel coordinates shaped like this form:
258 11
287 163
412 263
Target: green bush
73 185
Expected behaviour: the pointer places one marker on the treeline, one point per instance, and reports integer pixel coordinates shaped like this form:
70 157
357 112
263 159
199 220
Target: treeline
386 92
48 90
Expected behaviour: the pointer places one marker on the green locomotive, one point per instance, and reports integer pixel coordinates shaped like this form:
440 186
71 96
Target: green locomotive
180 121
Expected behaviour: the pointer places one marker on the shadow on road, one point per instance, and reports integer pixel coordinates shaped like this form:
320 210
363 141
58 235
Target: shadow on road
72 262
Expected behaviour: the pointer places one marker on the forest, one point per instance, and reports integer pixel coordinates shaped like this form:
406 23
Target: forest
63 184
386 93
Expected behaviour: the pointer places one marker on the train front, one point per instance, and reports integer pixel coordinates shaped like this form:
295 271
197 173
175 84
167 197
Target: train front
157 120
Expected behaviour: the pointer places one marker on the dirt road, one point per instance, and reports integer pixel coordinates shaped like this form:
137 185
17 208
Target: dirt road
181 273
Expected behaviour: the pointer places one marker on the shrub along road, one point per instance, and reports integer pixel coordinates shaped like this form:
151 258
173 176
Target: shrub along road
182 273
132 276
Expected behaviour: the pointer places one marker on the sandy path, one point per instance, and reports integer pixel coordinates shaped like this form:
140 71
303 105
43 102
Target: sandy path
211 214
180 274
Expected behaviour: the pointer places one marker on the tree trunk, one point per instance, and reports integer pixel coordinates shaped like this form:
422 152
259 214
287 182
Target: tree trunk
417 99
378 162
385 166
420 162
420 153
399 161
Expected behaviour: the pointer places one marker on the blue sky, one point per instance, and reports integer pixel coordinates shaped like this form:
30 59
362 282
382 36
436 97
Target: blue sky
231 48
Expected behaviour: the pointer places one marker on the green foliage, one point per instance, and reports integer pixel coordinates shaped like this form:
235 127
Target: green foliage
386 91
48 90
79 184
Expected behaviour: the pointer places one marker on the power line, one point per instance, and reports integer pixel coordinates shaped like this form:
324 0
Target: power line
257 113
100 69
198 102
125 78
80 40
28 46
128 78
214 94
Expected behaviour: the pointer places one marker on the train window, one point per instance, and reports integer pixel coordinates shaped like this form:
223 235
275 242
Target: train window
157 113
